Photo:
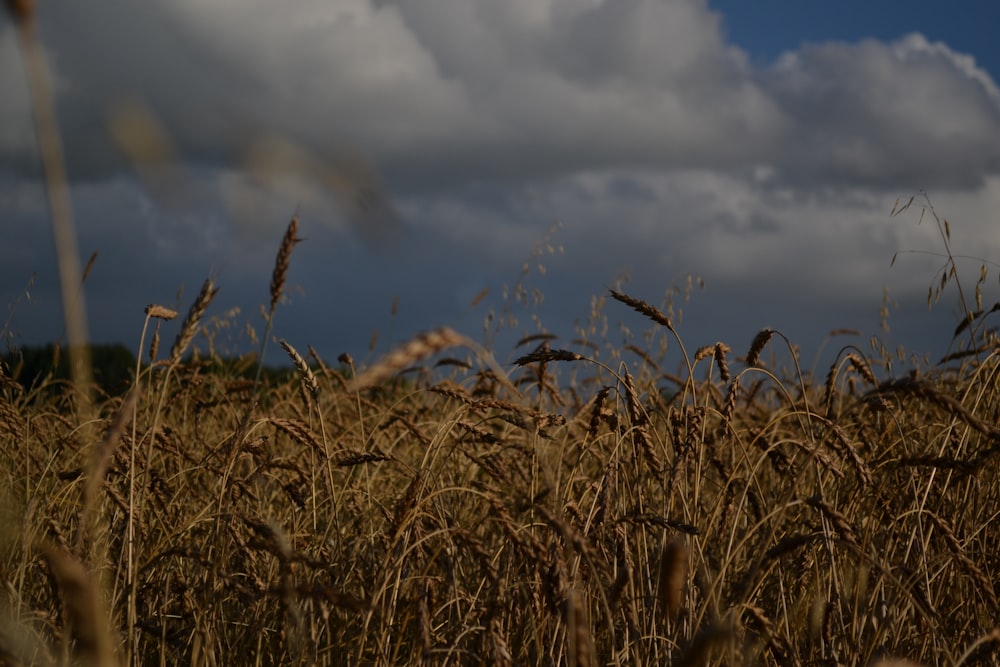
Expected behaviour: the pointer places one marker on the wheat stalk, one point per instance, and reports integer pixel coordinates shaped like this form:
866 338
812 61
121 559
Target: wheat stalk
837 518
970 566
308 378
639 423
757 346
280 273
278 277
423 346
578 635
101 459
190 324
160 312
644 308
57 190
672 579
93 643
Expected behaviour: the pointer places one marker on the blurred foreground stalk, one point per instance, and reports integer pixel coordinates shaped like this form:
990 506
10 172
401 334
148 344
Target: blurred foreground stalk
60 208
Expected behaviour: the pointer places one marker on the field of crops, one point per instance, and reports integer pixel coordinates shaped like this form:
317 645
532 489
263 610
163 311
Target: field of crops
593 499
582 504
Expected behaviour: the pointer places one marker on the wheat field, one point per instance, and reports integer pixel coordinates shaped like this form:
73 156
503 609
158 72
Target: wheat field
581 504
599 499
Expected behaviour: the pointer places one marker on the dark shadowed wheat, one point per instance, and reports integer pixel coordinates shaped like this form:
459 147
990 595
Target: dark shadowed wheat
281 263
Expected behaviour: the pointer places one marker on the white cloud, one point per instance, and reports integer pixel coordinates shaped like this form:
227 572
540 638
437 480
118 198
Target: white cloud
723 226
906 114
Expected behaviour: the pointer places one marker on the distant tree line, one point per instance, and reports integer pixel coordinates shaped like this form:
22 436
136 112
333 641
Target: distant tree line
113 365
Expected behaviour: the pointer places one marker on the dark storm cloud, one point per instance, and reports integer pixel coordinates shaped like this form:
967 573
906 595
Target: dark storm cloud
658 145
475 88
440 91
16 137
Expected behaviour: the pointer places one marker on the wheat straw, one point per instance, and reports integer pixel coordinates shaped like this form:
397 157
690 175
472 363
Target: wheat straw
644 308
837 518
757 346
545 356
308 378
93 643
597 411
60 204
639 424
160 312
720 350
280 273
672 579
101 457
299 432
190 325
974 571
418 348
499 648
765 629
703 352
729 407
580 640
862 368
950 404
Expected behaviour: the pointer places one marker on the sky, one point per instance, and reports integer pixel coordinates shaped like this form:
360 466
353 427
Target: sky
434 149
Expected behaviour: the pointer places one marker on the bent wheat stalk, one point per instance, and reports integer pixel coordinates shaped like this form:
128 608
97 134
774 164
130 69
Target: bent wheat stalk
421 347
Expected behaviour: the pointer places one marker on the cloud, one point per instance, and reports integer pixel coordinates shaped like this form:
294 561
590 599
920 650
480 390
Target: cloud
906 114
439 91
661 148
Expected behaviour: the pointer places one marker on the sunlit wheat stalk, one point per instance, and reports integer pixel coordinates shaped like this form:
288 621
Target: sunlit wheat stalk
159 313
420 347
311 391
305 373
136 496
656 315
